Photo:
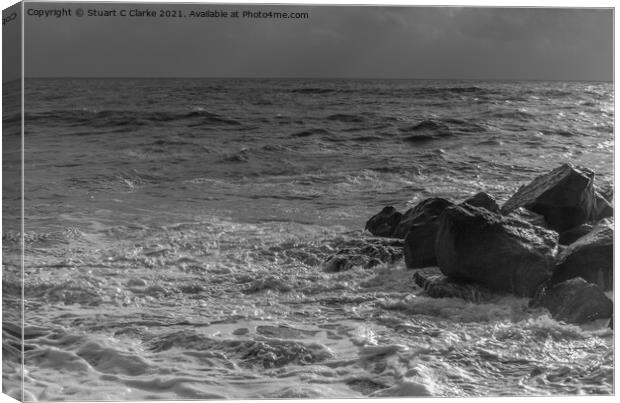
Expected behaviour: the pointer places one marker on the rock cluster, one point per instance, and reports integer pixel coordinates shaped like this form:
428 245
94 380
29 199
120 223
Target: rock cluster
565 197
474 249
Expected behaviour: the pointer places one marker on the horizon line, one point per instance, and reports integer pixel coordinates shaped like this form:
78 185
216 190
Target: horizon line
307 78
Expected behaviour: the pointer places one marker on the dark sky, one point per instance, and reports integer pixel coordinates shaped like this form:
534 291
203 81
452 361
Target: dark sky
345 41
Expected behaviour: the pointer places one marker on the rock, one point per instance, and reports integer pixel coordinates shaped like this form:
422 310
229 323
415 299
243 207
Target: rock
501 253
569 236
419 249
437 285
426 210
574 301
606 190
529 216
564 196
420 224
483 200
603 208
591 257
367 253
384 223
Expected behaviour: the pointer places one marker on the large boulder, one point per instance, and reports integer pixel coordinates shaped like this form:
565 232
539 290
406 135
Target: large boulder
437 285
483 200
384 223
574 301
422 223
366 253
426 210
591 257
564 196
504 254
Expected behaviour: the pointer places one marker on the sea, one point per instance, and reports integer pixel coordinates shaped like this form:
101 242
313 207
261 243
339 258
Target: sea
175 233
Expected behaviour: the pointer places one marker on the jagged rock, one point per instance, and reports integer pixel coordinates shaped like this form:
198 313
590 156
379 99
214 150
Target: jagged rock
422 223
590 257
426 210
602 206
366 253
574 301
606 190
569 236
529 216
501 253
564 196
483 200
384 223
437 285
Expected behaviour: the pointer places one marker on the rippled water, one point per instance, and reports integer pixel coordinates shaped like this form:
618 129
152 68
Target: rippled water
175 231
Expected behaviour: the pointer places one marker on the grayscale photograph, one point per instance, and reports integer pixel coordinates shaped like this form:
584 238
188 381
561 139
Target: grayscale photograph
263 201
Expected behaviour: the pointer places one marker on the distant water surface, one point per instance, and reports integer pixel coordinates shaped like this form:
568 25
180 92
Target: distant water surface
175 230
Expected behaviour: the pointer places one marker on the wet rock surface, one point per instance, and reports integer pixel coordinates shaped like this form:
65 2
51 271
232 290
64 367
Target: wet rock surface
529 216
427 210
591 257
564 196
436 285
569 236
420 225
602 206
419 249
384 223
366 253
483 200
574 301
503 254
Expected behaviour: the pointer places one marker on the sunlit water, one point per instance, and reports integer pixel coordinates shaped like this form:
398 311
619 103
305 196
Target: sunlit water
175 231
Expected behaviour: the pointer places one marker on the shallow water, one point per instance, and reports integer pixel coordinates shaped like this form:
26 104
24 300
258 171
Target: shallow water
175 234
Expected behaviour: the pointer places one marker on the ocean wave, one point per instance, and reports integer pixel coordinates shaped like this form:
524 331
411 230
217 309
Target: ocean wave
164 143
426 130
550 93
313 90
13 118
558 132
311 132
124 118
435 91
367 139
514 114
346 117
261 351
